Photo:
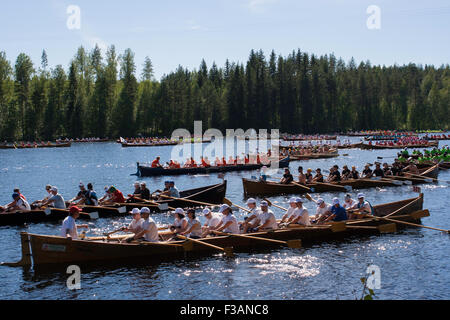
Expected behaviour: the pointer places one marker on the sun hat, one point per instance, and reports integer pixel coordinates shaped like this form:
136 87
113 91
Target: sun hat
298 200
145 210
320 201
251 201
74 209
179 210
135 211
206 211
293 200
361 195
264 204
223 208
335 201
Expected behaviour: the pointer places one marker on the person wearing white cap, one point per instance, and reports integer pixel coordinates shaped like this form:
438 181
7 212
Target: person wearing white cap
253 219
267 218
149 230
80 197
323 208
289 213
56 199
300 214
180 222
106 197
337 213
361 208
229 223
136 224
136 196
194 228
348 201
212 221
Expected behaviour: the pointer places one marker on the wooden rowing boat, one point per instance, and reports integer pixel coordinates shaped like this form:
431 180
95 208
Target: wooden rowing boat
256 187
18 218
37 146
43 250
405 146
145 170
210 194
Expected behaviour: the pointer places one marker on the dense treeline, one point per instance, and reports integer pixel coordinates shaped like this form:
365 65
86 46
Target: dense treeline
101 96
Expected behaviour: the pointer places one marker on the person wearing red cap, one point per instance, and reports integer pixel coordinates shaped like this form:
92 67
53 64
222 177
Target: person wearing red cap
69 227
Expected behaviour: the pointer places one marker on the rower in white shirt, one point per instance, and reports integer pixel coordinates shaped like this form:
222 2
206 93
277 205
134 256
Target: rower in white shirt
290 211
149 229
69 228
253 220
136 224
194 228
267 218
300 215
212 221
229 223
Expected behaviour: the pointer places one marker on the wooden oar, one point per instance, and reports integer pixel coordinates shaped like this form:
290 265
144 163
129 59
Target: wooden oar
342 188
192 201
404 207
274 205
228 250
228 202
298 185
413 224
156 203
290 243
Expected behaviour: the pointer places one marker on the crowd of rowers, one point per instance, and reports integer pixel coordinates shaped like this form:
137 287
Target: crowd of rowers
29 144
396 169
204 162
404 141
88 197
306 149
259 219
300 137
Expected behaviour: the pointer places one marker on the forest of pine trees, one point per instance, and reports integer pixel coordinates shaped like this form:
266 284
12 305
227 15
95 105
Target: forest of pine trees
101 96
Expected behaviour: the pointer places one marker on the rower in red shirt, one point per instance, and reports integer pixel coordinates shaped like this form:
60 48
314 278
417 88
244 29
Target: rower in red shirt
247 159
258 159
224 162
117 196
155 163
193 163
204 163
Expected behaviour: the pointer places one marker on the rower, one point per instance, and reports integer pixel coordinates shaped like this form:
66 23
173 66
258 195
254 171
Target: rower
38 203
378 172
292 206
69 228
91 196
180 222
137 190
136 224
56 199
252 221
335 175
156 164
116 196
300 215
367 172
149 229
411 167
309 175
212 221
267 218
361 209
204 162
229 223
387 171
322 209
81 196
145 192
194 227
318 177
301 176
354 174
16 190
18 204
287 177
346 173
338 213
348 201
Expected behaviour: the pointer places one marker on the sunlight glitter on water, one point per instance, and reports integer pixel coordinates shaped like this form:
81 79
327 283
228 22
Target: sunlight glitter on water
293 266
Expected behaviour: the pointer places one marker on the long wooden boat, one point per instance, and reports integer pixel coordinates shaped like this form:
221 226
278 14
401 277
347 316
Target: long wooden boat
310 138
132 145
145 170
36 146
409 146
44 250
210 194
18 218
259 188
213 194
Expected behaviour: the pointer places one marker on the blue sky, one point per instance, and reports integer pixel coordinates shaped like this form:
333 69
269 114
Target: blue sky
176 32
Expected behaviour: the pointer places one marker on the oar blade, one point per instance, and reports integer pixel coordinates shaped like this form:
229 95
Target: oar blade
348 188
407 182
122 209
387 228
420 214
163 207
228 202
294 244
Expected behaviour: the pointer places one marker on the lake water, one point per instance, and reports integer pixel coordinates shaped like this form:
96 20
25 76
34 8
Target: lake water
414 263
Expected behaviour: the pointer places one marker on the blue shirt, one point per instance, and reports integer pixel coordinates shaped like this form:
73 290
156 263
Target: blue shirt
339 212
